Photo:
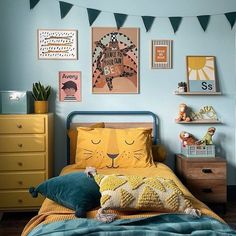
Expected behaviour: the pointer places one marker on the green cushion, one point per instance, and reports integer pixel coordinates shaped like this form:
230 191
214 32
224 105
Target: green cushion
76 191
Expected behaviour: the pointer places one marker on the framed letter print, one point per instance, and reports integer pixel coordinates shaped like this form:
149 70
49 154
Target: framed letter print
57 44
161 54
70 86
115 62
201 73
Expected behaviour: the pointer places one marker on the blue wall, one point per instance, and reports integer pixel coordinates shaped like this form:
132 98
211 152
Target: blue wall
19 66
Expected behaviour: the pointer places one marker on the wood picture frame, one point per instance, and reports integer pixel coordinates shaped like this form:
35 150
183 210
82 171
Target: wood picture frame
161 54
57 44
115 60
201 76
69 86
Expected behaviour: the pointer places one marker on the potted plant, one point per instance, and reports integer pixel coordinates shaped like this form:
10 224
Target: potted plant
41 94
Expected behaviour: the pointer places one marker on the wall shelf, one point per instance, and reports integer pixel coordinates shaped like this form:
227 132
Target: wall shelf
197 93
205 121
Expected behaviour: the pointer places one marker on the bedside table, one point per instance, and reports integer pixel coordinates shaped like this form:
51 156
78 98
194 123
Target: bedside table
204 177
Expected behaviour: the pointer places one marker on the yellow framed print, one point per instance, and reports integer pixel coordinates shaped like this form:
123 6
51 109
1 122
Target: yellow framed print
201 73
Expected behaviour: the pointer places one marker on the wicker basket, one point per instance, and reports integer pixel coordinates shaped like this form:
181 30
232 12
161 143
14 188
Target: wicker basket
198 150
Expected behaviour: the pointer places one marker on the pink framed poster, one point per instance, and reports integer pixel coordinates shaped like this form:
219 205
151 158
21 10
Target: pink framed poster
70 86
115 60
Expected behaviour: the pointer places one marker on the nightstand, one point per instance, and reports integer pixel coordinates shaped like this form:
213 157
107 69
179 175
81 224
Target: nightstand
204 177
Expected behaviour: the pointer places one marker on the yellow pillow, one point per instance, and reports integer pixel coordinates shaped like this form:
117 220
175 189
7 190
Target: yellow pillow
113 148
72 133
141 193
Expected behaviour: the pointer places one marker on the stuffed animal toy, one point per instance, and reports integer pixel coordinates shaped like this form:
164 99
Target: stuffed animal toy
183 113
187 139
207 139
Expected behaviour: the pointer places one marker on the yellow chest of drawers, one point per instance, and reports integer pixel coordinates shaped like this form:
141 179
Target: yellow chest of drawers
26 147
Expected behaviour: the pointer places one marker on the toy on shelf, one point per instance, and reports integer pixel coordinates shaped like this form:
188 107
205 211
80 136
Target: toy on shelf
205 113
183 109
182 87
187 139
207 139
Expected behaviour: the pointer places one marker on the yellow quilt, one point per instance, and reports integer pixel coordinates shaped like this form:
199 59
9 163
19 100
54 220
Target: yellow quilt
51 211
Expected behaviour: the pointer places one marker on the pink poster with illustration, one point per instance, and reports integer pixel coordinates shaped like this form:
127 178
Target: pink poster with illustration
70 86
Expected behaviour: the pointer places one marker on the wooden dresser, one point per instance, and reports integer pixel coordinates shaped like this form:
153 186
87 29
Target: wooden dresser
26 147
204 177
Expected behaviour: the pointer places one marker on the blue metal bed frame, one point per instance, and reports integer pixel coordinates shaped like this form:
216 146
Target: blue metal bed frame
79 113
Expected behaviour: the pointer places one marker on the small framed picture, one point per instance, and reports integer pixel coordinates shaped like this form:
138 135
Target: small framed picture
161 54
70 86
201 73
57 44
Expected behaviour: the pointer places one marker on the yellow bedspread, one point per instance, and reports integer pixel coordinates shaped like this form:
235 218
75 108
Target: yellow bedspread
51 211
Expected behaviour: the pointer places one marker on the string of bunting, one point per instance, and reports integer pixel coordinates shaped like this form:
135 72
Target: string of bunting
120 18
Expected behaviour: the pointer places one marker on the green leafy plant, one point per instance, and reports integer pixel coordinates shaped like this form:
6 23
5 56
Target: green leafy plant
40 92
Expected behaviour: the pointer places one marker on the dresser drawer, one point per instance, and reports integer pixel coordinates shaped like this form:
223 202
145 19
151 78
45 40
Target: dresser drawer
11 162
22 125
26 143
205 170
213 191
23 180
12 199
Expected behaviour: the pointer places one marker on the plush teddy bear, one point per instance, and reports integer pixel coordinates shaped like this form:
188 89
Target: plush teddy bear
207 139
187 139
183 113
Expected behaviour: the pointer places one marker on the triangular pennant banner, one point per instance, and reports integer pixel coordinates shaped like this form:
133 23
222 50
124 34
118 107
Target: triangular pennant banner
120 19
175 22
92 15
231 17
148 21
65 8
204 20
33 3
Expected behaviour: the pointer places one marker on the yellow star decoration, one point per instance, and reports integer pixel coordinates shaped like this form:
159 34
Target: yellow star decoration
149 198
112 182
135 181
126 198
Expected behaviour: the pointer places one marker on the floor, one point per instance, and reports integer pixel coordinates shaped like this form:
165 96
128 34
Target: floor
12 224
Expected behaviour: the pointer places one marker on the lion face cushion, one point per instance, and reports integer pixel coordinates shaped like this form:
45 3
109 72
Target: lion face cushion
114 148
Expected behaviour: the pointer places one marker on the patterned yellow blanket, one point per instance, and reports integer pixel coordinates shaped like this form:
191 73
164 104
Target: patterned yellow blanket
51 211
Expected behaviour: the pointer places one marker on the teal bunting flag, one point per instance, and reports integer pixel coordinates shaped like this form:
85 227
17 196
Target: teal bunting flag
92 15
175 22
65 8
33 3
231 17
120 19
204 20
148 21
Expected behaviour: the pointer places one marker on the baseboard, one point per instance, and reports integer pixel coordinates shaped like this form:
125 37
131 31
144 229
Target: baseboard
231 192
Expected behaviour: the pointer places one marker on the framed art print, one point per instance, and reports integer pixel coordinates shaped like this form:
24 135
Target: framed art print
115 60
201 73
57 44
161 54
70 86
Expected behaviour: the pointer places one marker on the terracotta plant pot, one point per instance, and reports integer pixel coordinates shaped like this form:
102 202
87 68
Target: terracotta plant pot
40 107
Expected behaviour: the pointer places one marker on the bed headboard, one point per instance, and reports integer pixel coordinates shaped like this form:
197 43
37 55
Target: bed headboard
154 123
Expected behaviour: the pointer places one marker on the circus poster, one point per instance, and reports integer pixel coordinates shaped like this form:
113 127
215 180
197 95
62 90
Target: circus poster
115 60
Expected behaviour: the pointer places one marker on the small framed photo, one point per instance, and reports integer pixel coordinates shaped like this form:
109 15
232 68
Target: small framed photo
57 44
70 86
161 54
201 73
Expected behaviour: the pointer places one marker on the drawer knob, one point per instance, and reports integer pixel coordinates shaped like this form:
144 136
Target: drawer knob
20 164
19 126
206 170
20 145
20 182
207 190
20 200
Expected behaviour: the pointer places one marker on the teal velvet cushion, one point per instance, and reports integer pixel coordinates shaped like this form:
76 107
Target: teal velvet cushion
76 191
